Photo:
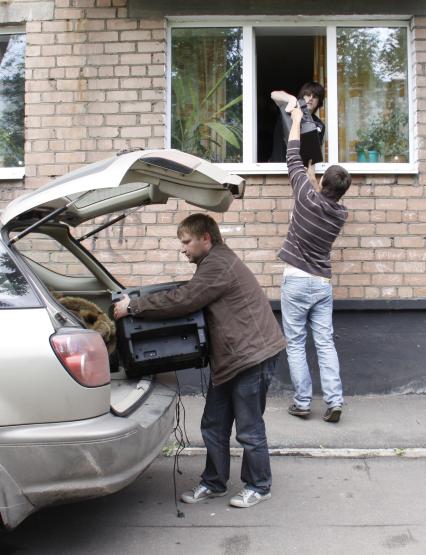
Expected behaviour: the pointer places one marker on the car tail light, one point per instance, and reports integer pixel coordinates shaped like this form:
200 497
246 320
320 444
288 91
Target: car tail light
84 355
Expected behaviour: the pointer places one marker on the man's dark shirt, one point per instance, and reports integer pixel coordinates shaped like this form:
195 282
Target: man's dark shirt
279 147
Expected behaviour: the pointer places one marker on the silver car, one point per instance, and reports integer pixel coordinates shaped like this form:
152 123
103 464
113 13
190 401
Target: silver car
70 429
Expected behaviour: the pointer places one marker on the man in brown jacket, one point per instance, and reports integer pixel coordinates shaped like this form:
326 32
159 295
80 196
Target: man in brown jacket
244 341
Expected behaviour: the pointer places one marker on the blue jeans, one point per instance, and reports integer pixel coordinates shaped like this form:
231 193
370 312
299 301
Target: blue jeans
309 300
242 399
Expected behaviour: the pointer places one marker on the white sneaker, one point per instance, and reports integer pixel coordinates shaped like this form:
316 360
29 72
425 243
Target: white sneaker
248 497
199 493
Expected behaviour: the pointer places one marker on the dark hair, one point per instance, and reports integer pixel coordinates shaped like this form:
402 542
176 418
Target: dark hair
198 225
335 182
314 88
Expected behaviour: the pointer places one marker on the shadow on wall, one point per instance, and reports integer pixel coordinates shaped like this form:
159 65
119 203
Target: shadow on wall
380 352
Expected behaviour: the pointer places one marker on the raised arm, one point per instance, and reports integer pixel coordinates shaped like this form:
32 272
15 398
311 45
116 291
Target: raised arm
312 178
282 97
296 116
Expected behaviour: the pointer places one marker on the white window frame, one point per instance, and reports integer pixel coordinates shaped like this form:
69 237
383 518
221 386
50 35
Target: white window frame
248 25
18 172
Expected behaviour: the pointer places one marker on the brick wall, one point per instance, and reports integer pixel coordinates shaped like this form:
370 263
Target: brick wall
96 84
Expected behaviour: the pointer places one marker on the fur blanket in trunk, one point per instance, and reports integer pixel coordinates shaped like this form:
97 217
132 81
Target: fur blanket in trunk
92 317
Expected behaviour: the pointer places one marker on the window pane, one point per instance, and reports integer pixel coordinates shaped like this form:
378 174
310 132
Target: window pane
207 93
50 254
372 92
12 88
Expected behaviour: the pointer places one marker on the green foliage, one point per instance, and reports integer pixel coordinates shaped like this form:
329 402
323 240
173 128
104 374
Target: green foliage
12 91
387 135
364 53
198 130
394 133
206 93
369 139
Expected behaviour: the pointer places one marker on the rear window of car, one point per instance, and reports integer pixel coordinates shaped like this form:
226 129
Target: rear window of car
15 291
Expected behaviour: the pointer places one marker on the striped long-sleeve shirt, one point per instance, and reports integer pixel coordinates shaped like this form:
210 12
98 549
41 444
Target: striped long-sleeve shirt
315 223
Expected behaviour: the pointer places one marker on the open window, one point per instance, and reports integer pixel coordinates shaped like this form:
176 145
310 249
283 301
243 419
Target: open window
286 58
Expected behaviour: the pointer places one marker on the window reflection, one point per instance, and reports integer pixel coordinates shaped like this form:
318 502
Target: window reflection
372 93
14 289
207 93
12 88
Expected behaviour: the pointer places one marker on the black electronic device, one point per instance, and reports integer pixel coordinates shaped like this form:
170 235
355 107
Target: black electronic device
148 346
310 145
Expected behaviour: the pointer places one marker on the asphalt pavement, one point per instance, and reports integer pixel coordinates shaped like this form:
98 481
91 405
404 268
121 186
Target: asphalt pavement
355 488
319 506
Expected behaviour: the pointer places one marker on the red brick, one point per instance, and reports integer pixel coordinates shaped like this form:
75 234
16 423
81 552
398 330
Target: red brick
340 292
357 279
358 254
274 268
347 267
417 254
388 292
356 292
359 203
415 279
378 216
343 241
359 229
393 216
391 229
259 255
391 204
387 279
410 267
390 254
409 241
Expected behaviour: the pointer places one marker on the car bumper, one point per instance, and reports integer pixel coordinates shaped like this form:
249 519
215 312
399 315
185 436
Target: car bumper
55 463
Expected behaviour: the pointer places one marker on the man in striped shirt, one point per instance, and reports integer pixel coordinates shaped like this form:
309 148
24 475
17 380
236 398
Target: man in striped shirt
306 294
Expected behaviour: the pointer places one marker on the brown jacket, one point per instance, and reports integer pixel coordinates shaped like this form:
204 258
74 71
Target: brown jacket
242 328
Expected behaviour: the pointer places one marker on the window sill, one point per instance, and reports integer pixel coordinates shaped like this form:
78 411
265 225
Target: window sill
11 173
353 168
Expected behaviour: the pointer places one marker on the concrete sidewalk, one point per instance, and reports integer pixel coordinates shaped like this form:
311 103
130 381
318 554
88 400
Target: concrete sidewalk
369 426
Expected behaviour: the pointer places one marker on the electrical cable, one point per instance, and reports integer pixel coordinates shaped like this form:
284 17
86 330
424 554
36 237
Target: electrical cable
203 382
181 440
180 435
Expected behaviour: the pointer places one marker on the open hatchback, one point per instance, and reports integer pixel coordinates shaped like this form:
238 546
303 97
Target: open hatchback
69 428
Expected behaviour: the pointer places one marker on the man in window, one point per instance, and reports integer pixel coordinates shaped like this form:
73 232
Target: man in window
313 94
306 294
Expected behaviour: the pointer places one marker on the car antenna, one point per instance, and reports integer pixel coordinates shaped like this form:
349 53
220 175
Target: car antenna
45 219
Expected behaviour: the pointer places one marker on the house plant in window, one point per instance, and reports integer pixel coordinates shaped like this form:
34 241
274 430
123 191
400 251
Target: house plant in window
369 143
394 136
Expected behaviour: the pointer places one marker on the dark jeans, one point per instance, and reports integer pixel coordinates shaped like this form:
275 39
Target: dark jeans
241 399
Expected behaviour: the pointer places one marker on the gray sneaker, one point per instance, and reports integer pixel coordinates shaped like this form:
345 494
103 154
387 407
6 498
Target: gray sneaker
332 414
199 493
294 410
248 497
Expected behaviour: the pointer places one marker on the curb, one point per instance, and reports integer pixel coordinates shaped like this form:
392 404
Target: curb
339 453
